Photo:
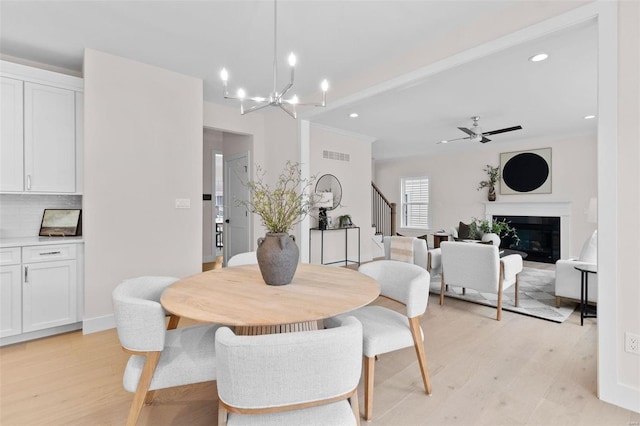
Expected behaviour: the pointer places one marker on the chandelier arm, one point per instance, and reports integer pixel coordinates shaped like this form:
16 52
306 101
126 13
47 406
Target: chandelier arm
257 107
291 113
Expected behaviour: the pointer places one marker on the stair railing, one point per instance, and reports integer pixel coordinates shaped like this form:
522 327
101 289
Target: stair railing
383 212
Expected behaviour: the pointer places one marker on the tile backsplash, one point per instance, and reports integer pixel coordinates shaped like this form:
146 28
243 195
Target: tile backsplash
21 214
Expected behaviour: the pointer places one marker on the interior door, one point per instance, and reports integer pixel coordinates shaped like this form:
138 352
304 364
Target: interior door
236 217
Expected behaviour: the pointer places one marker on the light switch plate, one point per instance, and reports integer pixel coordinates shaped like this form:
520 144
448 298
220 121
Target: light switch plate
183 203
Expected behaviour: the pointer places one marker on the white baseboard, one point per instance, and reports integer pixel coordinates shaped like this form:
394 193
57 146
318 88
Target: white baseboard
93 325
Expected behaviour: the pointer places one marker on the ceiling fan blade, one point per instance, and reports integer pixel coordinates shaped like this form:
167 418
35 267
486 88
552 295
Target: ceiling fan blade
484 140
506 129
451 140
467 131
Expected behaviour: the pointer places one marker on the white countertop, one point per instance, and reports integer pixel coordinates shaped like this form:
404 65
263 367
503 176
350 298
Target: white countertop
38 241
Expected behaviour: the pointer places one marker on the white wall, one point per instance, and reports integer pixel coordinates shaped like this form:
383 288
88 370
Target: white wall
627 314
454 181
143 150
355 178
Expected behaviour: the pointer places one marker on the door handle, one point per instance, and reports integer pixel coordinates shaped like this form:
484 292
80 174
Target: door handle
226 221
26 274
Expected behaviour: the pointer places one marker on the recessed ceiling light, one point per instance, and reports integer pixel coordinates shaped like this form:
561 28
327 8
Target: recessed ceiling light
353 115
589 117
539 57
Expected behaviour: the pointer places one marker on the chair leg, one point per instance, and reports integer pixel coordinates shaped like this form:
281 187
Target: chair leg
517 303
222 415
442 288
355 407
414 324
557 301
499 315
369 367
143 386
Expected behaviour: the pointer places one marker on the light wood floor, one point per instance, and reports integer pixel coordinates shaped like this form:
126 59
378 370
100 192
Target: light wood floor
519 371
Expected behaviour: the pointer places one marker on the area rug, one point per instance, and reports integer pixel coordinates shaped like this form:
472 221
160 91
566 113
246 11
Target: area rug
536 296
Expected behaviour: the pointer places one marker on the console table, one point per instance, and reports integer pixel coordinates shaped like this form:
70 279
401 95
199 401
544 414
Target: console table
346 259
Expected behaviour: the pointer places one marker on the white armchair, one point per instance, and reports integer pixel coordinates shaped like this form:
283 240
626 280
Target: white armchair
429 259
479 266
386 330
303 378
159 358
568 277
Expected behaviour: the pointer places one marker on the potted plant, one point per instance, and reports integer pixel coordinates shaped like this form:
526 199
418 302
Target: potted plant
280 208
483 228
494 176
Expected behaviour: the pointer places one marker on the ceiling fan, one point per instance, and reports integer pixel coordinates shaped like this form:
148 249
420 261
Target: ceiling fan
477 135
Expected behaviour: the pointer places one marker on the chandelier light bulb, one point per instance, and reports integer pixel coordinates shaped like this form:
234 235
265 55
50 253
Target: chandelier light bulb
224 75
293 100
324 85
292 60
241 93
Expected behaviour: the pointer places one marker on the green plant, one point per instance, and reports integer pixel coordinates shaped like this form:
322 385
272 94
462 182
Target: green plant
494 177
284 205
500 227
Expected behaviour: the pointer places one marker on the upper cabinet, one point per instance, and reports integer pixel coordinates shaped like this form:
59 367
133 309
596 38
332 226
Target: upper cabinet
41 131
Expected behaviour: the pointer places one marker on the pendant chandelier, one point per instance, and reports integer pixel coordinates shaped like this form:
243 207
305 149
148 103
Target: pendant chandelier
275 98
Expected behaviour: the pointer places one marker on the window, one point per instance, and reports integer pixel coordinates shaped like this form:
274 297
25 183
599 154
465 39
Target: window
415 202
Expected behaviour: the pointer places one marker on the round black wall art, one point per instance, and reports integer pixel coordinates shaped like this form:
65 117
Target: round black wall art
527 171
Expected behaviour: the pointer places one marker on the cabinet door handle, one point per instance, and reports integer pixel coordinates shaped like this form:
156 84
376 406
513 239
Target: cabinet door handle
26 274
28 182
49 253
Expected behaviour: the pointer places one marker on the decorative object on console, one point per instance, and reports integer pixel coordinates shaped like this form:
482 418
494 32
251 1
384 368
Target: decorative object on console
345 221
61 223
494 177
279 209
526 171
274 98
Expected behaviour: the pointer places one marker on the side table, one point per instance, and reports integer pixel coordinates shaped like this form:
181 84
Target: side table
585 270
439 237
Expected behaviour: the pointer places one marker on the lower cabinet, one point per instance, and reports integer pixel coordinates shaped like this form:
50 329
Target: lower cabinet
10 300
40 293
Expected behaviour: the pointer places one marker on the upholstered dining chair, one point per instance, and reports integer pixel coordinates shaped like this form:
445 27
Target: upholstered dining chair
385 330
159 358
301 378
246 258
479 267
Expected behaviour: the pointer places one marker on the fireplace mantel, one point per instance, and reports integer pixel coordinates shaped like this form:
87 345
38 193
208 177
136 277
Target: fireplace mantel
561 209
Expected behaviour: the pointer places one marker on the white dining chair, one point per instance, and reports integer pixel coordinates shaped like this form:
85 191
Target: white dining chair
160 358
386 330
246 258
301 378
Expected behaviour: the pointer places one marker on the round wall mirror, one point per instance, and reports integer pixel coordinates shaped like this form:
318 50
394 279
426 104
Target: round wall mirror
329 184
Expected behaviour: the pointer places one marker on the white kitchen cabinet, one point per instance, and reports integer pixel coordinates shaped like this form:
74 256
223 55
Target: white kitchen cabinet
41 133
10 292
39 293
12 142
49 286
49 139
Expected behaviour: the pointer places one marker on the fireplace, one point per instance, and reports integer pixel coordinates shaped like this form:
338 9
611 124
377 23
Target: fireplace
539 237
542 209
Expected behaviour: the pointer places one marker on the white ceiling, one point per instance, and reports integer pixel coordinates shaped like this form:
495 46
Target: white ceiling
337 40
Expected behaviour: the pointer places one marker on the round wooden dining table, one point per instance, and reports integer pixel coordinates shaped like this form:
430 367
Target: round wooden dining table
239 297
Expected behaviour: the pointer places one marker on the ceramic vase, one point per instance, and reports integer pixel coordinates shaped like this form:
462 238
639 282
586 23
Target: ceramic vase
494 238
492 194
278 257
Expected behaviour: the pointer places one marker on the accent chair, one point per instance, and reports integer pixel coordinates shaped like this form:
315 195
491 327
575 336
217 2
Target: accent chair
479 267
